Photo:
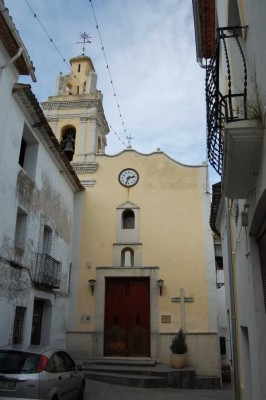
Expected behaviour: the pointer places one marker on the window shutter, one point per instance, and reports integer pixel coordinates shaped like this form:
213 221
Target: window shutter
40 245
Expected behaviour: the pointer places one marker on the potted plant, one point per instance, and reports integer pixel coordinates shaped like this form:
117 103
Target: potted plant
178 348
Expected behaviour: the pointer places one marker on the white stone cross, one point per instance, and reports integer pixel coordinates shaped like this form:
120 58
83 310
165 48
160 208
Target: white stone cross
182 299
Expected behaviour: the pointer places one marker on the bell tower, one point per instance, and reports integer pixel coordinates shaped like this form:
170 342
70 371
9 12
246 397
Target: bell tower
76 115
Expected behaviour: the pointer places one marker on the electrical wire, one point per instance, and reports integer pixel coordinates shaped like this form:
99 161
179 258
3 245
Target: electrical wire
118 137
110 75
70 68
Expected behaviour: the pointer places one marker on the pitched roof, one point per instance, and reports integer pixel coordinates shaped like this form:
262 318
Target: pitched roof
204 24
12 42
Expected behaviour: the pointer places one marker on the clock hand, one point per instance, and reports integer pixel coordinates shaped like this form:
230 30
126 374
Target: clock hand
130 177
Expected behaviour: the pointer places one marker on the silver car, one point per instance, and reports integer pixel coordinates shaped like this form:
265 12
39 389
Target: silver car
39 373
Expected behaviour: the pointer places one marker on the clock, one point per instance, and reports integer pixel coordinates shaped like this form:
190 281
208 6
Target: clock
128 177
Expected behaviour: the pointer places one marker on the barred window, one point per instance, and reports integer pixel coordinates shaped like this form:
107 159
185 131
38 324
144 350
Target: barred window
18 325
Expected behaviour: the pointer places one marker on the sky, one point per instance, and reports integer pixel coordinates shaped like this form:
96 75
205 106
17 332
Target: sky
150 50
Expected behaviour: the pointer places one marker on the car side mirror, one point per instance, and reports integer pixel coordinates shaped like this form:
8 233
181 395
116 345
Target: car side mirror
79 367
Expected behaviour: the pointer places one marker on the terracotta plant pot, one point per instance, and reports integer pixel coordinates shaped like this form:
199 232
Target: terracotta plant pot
178 360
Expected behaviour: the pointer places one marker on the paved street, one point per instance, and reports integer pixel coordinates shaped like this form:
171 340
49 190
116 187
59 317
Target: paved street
105 391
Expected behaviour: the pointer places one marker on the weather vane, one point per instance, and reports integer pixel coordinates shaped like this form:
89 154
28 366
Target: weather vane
85 39
129 138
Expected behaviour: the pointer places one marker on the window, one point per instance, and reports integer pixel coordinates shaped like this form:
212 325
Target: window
99 144
22 152
55 364
222 345
37 322
20 232
128 219
18 362
79 68
218 256
69 88
28 152
47 240
69 363
127 257
18 325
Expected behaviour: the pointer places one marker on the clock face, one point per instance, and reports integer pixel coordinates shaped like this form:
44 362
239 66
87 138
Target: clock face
128 177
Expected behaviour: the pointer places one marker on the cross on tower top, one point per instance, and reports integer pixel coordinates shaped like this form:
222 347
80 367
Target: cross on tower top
85 39
129 138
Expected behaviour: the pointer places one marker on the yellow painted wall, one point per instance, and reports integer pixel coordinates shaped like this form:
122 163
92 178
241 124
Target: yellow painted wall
171 231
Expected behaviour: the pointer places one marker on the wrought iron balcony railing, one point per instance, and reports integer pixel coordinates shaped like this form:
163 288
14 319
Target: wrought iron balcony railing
221 108
47 272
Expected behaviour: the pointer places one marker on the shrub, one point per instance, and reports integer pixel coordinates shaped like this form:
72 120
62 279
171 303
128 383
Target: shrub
179 345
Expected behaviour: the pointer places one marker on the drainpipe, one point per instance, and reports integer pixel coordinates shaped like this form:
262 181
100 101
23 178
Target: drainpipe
13 59
232 304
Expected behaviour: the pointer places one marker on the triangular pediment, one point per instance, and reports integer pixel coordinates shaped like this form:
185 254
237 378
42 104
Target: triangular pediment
127 204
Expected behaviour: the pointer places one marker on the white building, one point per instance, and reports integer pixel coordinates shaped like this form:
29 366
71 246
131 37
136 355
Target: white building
223 322
230 37
39 191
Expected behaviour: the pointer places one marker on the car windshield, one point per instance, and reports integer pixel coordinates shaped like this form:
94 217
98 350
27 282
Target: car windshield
18 362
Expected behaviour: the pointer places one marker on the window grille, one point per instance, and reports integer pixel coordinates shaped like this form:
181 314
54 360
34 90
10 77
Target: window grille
18 325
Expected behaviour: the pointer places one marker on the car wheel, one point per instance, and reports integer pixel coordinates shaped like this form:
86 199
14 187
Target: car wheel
81 391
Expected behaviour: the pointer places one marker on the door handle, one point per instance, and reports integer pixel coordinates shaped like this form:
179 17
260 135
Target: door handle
60 377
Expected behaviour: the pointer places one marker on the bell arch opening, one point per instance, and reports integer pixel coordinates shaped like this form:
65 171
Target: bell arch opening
68 135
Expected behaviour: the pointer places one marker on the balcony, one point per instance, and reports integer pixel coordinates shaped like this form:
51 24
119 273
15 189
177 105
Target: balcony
48 271
242 157
220 108
234 137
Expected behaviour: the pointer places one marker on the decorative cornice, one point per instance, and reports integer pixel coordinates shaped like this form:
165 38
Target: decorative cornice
89 167
59 104
128 243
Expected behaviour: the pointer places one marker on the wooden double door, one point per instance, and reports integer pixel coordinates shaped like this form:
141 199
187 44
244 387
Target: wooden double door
127 317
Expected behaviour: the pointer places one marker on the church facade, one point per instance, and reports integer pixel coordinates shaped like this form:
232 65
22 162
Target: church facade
143 260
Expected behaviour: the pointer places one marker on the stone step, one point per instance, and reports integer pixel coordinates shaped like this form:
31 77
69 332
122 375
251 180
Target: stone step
147 373
141 381
134 362
207 382
128 369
